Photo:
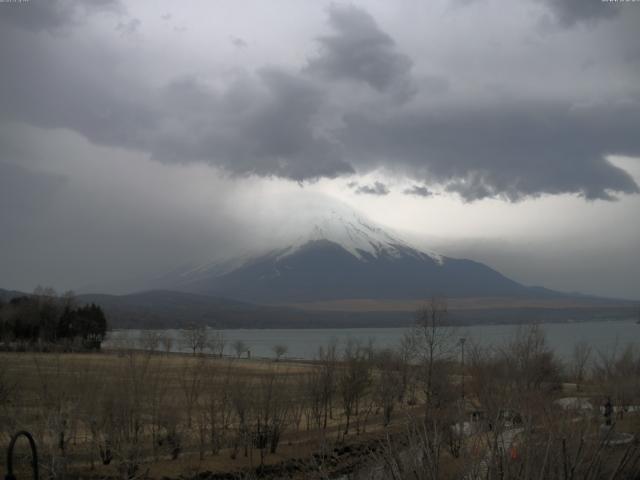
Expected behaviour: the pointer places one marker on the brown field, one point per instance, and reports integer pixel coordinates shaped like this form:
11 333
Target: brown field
66 394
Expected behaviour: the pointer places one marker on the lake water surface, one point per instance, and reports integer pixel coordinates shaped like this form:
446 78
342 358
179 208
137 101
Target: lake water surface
304 343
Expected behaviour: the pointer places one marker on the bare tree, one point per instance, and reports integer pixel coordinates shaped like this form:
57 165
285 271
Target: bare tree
57 420
314 395
579 362
280 350
242 404
531 362
191 380
298 403
433 340
216 343
239 347
355 378
157 404
388 383
406 354
270 412
217 407
194 338
327 380
149 340
122 417
10 405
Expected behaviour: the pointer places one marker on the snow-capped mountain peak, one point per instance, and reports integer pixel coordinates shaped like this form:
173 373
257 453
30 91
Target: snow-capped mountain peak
361 237
344 256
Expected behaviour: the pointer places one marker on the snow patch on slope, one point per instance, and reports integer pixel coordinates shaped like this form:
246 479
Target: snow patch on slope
360 237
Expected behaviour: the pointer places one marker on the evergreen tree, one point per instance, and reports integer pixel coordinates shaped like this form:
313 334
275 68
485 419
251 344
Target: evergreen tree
46 317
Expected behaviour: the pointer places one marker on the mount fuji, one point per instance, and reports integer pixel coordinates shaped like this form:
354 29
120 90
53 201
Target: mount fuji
345 256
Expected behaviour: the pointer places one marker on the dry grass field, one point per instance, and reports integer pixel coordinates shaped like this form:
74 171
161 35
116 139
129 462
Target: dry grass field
171 414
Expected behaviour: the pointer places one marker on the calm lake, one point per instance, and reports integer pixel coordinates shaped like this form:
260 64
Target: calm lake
304 343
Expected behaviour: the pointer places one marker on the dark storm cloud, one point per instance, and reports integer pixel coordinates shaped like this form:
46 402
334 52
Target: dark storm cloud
259 124
267 123
510 150
418 190
44 87
570 12
377 188
52 15
360 51
262 128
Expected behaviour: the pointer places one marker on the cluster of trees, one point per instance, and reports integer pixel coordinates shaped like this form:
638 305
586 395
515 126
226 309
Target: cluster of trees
498 415
45 319
193 338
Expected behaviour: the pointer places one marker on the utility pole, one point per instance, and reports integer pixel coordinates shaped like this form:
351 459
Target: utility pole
462 409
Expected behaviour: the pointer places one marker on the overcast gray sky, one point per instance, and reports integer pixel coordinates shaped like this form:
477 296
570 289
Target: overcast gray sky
139 136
